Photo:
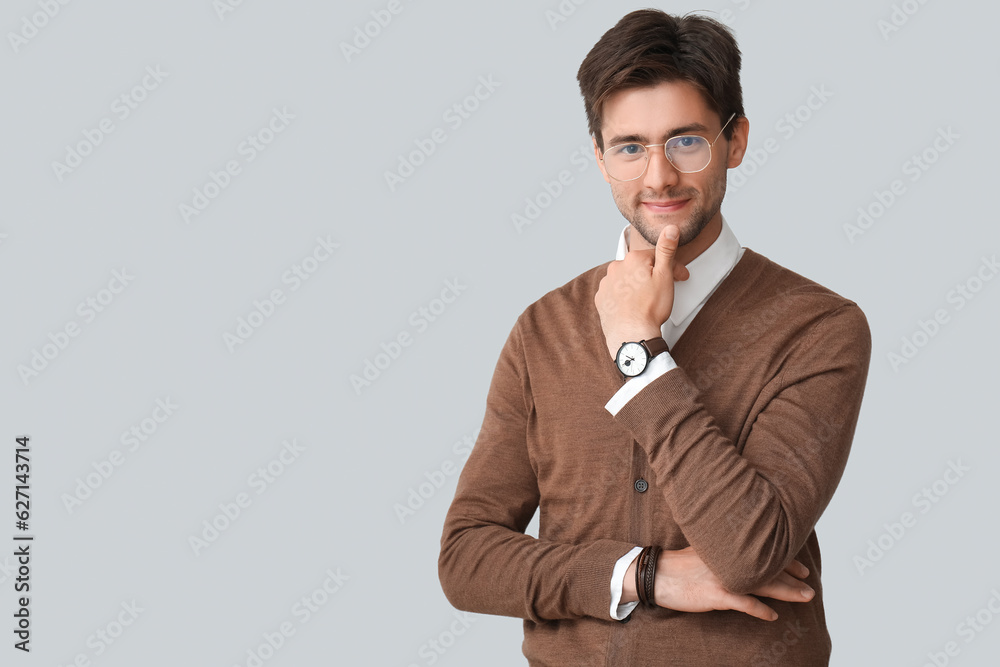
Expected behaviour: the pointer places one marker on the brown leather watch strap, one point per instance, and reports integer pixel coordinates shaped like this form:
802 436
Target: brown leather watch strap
655 346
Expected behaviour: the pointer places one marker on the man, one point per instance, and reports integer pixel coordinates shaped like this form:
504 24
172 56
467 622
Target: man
680 417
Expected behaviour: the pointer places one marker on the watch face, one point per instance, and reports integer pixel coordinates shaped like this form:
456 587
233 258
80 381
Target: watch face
632 359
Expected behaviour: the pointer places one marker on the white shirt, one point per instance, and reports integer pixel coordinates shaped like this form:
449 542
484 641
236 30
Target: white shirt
707 270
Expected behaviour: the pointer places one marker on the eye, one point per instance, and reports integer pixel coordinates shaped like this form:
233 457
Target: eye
685 144
627 151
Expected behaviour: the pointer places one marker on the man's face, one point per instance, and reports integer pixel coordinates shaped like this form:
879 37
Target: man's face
662 195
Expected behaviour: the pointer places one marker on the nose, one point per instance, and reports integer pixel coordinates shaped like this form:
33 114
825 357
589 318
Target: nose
660 172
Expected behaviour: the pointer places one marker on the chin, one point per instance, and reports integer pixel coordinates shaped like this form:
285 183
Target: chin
689 229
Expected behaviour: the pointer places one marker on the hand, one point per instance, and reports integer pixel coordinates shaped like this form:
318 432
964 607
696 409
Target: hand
684 583
636 296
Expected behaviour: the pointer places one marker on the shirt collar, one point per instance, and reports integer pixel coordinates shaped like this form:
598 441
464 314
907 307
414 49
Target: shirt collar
707 270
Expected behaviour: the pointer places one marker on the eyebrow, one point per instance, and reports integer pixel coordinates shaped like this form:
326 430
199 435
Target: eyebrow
641 139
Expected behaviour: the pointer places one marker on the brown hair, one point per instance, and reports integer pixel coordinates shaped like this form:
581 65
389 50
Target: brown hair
649 46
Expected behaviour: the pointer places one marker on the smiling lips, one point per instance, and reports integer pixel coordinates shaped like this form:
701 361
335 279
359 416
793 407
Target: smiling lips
668 206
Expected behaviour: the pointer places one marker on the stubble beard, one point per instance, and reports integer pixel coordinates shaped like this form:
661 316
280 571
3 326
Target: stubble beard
703 209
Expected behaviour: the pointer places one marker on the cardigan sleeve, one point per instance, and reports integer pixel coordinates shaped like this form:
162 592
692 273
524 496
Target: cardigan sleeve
747 514
487 564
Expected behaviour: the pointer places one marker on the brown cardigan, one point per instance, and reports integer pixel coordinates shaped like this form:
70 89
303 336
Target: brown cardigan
742 447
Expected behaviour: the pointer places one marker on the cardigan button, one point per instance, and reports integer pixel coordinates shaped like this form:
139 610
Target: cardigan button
641 485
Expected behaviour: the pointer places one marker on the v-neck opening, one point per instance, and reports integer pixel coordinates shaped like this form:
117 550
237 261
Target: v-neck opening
718 303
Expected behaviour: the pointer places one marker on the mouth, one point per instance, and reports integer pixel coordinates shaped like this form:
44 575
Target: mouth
665 206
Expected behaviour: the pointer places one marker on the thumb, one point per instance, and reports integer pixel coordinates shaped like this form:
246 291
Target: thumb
666 250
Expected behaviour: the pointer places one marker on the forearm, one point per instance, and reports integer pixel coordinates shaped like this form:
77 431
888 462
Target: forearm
733 516
487 564
492 569
629 593
748 511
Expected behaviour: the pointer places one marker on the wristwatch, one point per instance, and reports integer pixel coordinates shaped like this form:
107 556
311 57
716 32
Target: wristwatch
633 358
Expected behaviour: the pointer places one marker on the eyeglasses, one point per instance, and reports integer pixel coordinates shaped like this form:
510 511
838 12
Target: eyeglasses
688 153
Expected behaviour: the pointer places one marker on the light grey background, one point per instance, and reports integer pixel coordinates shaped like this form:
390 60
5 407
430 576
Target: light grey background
334 507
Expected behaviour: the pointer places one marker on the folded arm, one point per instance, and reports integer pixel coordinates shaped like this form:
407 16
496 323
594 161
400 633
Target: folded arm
748 513
487 564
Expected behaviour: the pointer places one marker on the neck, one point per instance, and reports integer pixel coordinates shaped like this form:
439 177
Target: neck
701 243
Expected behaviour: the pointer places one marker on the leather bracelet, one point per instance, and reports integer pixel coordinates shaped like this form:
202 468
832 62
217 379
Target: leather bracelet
649 576
640 563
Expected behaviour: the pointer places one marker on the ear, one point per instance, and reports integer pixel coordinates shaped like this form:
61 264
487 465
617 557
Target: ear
738 144
597 157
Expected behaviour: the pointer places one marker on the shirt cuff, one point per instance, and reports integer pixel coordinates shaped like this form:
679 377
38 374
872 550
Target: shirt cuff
658 366
620 611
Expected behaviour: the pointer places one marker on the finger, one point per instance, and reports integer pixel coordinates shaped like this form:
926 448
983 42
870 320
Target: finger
787 588
644 257
666 249
797 569
752 606
681 273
